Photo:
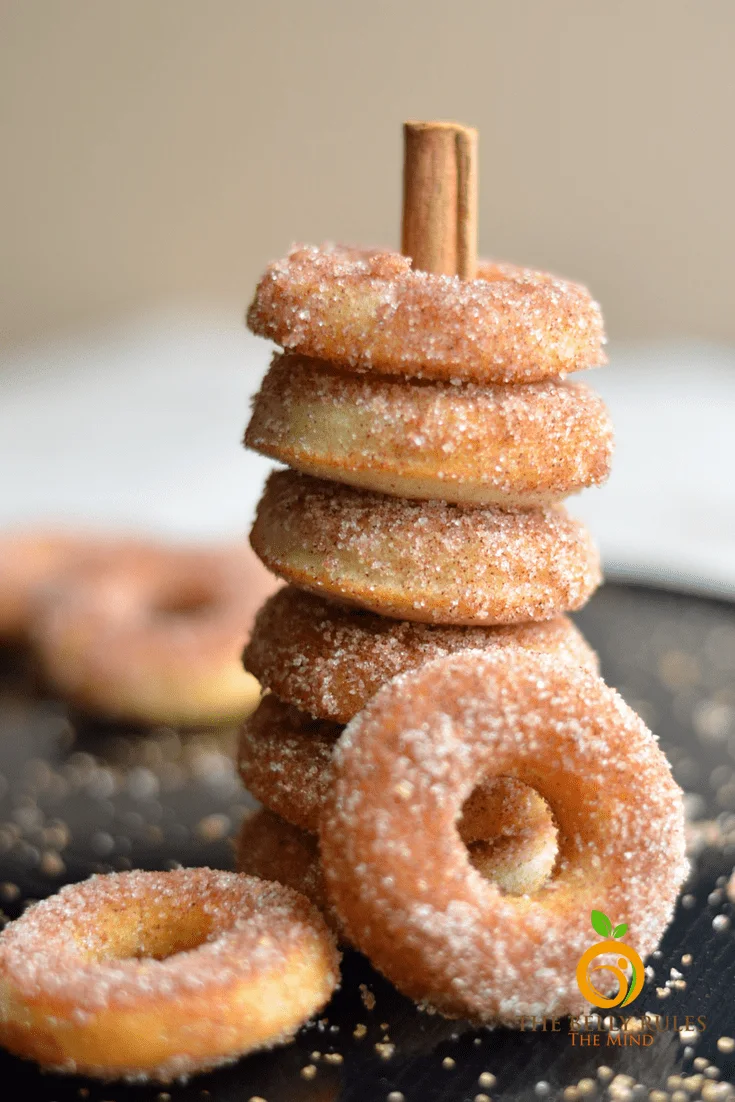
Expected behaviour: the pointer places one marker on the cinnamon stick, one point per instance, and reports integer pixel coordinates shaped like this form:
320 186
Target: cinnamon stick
439 226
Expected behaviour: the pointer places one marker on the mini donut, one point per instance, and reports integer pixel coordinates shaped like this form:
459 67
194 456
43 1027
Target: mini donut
428 561
368 309
398 873
523 445
158 975
285 760
269 847
154 635
29 559
328 659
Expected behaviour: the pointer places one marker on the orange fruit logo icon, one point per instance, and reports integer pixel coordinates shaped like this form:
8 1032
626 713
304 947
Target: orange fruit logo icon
629 987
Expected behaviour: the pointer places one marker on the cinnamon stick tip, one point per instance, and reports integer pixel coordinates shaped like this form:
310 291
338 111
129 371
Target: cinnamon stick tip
421 126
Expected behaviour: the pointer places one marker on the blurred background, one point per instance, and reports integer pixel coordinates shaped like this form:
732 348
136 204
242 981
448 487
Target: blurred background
157 153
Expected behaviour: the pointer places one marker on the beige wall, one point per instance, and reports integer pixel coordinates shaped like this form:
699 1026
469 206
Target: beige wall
158 150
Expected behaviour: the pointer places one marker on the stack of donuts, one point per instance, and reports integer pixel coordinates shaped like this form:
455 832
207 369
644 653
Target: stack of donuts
443 771
430 437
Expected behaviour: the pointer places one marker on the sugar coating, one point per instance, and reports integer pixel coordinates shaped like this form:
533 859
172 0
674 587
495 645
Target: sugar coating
142 943
328 659
284 758
527 444
268 845
399 876
370 310
426 561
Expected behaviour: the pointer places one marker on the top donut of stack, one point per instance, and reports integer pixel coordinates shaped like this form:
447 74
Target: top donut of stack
370 310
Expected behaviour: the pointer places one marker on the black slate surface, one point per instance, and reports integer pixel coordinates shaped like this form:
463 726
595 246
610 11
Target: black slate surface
78 797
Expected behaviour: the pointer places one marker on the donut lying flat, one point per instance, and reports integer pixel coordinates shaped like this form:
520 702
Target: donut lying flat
158 975
273 849
328 659
154 635
398 873
369 309
269 847
427 561
285 760
30 559
486 445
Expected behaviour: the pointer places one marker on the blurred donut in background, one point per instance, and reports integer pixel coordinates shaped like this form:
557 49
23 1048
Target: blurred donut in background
133 630
30 558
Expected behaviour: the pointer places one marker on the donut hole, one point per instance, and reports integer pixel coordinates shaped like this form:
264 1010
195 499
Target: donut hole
510 835
154 934
189 601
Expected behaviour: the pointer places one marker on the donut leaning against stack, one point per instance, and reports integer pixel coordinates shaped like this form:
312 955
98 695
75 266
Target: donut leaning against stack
430 437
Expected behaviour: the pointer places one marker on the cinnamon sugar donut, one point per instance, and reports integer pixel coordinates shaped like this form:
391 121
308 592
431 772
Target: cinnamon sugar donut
31 558
155 635
328 659
285 760
158 975
428 561
523 445
369 309
398 873
269 847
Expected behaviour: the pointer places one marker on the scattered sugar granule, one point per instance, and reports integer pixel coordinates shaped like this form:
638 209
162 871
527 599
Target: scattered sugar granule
212 828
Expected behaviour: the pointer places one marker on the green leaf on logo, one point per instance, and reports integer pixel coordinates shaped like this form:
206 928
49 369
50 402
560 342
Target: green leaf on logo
601 924
620 930
631 985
